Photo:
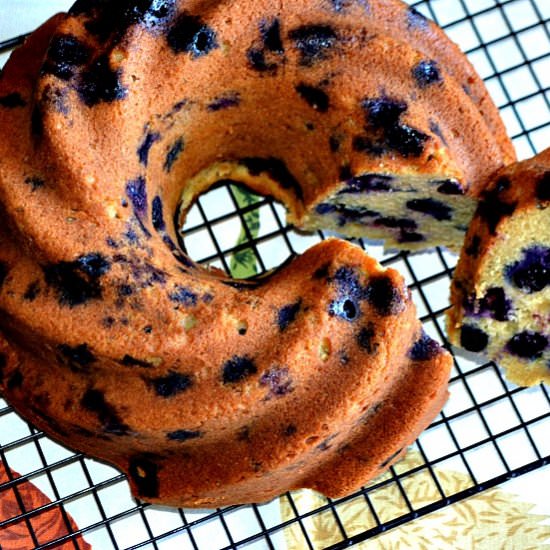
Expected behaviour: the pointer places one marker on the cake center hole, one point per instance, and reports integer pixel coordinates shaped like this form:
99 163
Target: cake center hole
233 229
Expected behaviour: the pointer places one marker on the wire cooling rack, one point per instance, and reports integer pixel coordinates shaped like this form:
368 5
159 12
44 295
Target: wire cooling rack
490 431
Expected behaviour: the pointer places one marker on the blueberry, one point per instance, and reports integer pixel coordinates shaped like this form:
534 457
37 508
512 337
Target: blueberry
543 186
325 208
15 380
145 146
183 435
321 272
473 338
408 236
144 473
171 384
35 182
449 187
270 32
32 291
137 193
95 265
383 112
4 269
238 369
314 97
182 295
345 308
100 83
287 314
257 61
11 101
77 356
426 73
231 99
355 212
384 296
491 208
94 401
173 154
278 380
367 183
334 143
276 169
64 54
190 34
431 207
365 338
393 222
407 141
290 430
528 344
495 305
158 218
350 292
131 361
424 349
532 272
313 42
365 144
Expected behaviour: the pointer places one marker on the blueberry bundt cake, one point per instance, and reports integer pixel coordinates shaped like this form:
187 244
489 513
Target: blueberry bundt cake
207 390
500 294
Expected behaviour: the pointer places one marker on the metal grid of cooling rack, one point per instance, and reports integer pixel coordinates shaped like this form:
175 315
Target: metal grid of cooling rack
490 430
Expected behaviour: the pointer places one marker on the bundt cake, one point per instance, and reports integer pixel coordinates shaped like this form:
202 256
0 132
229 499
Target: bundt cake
207 390
500 293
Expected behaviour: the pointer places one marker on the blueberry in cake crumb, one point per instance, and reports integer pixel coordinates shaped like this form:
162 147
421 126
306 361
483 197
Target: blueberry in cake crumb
450 187
365 338
424 349
543 187
172 384
278 380
495 305
238 369
287 314
325 208
64 54
94 401
183 435
431 207
367 183
99 83
393 222
143 150
313 42
190 34
528 344
426 73
384 296
144 473
531 273
11 101
314 97
473 338
173 154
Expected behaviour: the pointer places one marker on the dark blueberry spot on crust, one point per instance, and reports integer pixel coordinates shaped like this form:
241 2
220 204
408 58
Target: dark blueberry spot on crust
416 19
270 32
130 361
64 54
450 187
158 218
100 83
15 380
367 183
183 435
77 282
345 173
426 73
424 349
34 182
434 127
243 434
290 430
275 169
37 122
190 34
231 99
406 140
32 291
13 100
314 97
238 369
145 146
144 473
77 356
532 272
137 193
365 339
257 60
94 401
528 344
313 42
543 187
171 384
321 272
182 295
334 143
173 154
350 293
431 207
491 208
473 338
278 381
384 296
473 248
383 112
287 314
3 272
